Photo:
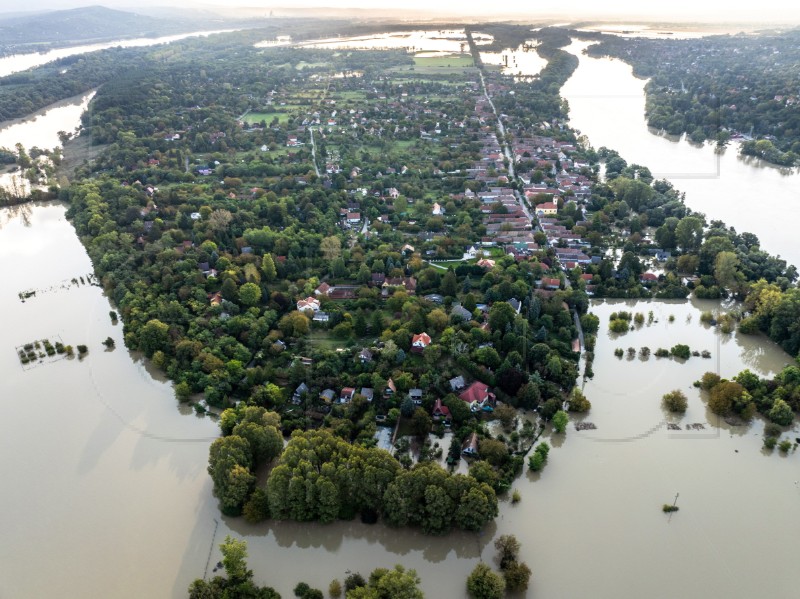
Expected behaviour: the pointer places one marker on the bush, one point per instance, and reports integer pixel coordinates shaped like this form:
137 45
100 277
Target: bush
781 413
709 381
749 326
483 583
675 401
618 326
772 430
517 576
560 421
785 445
662 353
681 351
619 352
335 589
770 442
706 317
516 497
639 318
539 458
82 349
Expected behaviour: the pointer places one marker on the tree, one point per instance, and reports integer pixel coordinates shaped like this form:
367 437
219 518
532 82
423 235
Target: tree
560 421
675 401
517 576
421 423
506 415
501 315
219 220
250 294
331 248
268 268
386 583
483 583
723 396
781 413
437 319
689 233
449 286
234 559
153 337
726 270
507 550
578 401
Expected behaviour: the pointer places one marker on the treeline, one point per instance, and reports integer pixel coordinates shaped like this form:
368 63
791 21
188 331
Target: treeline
322 477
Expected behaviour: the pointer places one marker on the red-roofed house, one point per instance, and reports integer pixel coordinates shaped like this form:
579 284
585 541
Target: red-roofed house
420 342
478 397
441 412
547 208
551 283
323 289
648 278
346 396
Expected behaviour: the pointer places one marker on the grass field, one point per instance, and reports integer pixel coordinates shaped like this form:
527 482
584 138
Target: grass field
257 117
452 60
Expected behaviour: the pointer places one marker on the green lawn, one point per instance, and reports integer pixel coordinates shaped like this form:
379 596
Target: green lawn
449 60
323 339
257 117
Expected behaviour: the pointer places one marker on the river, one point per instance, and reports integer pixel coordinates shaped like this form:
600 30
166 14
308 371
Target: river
106 492
741 191
22 62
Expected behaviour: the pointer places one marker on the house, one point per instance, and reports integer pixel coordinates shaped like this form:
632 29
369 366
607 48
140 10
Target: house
365 356
308 304
407 248
323 289
391 389
441 412
415 395
648 278
215 299
546 209
299 393
367 393
346 396
435 298
516 304
321 316
377 279
437 210
353 218
477 396
552 284
327 395
485 263
462 312
457 383
420 342
470 447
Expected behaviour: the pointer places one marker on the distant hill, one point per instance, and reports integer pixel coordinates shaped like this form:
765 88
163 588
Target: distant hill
92 23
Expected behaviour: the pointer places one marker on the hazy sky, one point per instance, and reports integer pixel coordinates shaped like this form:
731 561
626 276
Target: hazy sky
673 10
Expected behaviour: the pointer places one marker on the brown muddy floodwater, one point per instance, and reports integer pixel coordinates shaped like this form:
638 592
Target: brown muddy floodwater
106 492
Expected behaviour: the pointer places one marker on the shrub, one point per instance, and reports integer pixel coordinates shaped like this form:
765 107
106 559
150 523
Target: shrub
335 589
781 413
772 430
706 317
681 351
644 352
668 508
770 442
112 315
516 497
785 445
82 349
662 353
619 352
560 421
618 325
675 401
709 381
483 583
749 326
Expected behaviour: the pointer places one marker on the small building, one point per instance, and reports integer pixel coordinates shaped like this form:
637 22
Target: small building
299 393
420 342
648 278
367 393
346 396
391 389
457 383
327 395
415 395
365 356
461 312
441 413
470 446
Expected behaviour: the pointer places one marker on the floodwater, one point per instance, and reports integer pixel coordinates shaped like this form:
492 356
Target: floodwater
521 63
106 491
22 62
428 41
743 192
